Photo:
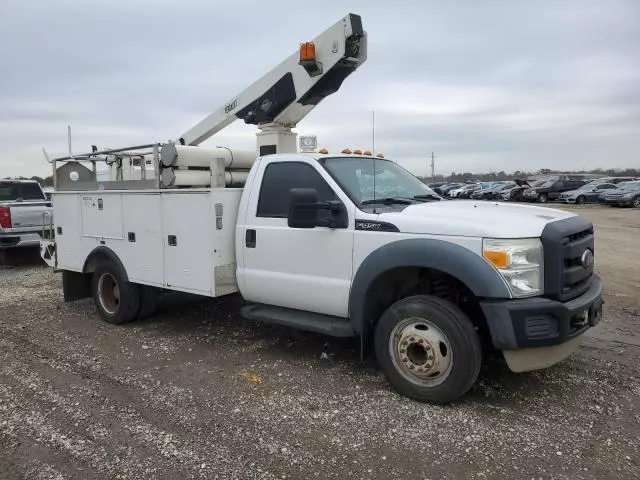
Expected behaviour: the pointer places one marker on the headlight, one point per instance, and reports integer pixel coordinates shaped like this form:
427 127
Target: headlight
520 263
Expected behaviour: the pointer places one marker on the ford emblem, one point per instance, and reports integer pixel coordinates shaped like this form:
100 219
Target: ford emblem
587 258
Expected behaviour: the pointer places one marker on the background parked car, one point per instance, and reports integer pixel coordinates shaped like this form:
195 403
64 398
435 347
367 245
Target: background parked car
586 194
24 209
447 188
515 194
627 194
485 190
551 190
497 192
462 191
614 180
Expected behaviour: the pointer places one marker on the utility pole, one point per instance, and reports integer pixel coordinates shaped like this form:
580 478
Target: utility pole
433 166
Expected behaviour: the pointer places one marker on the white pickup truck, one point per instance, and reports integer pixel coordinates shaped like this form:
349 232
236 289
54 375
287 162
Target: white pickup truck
350 245
24 208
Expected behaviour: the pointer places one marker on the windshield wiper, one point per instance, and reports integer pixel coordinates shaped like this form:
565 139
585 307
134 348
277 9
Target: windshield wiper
389 201
427 196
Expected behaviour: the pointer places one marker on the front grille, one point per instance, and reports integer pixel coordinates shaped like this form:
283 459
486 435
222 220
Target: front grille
564 243
575 276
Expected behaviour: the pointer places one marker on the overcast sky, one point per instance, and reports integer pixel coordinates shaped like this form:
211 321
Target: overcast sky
500 85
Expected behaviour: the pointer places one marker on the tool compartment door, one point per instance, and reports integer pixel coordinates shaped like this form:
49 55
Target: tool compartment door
187 226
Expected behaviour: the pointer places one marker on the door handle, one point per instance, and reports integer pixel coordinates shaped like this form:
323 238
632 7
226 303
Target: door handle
172 240
250 238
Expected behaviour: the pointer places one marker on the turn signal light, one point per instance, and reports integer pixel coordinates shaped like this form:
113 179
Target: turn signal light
323 150
367 152
380 155
346 151
357 152
498 259
307 52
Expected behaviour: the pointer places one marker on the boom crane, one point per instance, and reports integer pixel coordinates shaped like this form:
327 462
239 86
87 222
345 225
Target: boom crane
281 98
275 104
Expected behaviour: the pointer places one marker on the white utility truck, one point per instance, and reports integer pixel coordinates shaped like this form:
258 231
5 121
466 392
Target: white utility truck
349 245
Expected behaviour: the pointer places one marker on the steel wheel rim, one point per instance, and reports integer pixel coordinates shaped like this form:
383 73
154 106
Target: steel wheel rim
108 293
421 352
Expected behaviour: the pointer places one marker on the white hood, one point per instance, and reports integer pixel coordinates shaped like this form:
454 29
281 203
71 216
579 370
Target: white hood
469 218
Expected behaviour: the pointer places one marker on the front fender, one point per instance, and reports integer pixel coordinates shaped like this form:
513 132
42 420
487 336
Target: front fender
459 262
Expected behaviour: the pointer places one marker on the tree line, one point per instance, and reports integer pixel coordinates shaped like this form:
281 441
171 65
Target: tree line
44 182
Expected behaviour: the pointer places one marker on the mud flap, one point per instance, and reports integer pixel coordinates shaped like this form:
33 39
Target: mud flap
48 253
75 286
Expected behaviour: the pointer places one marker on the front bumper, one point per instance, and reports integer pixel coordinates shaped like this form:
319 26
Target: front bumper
619 201
567 199
531 323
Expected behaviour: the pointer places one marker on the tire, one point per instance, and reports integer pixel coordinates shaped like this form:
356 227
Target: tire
581 200
543 198
149 298
636 202
115 307
431 322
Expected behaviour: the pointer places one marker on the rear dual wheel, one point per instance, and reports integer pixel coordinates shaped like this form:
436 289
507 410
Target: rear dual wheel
428 349
117 300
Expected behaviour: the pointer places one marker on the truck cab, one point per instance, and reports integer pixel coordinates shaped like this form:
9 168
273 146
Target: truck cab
368 249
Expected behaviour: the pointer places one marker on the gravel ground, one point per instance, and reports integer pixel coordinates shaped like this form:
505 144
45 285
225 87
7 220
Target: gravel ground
197 392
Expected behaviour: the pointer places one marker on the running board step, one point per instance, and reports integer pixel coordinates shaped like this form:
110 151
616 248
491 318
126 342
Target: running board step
314 322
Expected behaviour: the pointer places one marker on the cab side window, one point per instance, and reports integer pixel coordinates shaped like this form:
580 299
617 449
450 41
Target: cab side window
279 178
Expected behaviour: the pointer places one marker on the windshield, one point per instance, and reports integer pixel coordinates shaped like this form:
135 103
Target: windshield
355 175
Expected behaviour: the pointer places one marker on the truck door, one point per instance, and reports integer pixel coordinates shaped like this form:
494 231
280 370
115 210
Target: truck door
308 269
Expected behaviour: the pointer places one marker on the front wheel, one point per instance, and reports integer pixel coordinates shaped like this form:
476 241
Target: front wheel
428 349
543 198
636 202
581 200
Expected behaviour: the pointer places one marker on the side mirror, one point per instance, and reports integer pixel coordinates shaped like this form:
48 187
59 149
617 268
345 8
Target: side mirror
304 207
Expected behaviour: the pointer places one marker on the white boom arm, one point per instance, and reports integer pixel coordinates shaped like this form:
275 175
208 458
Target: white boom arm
284 96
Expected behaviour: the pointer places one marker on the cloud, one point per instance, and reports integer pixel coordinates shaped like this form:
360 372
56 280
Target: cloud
492 85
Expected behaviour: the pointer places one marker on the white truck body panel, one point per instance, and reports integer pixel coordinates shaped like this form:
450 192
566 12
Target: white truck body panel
202 260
